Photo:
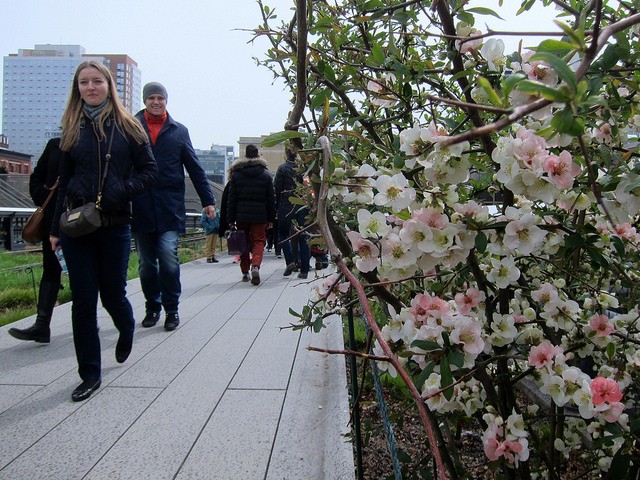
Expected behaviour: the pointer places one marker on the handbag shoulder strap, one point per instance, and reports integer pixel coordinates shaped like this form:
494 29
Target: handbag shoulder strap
52 190
107 157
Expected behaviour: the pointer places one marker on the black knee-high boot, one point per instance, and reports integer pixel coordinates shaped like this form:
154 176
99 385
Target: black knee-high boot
40 331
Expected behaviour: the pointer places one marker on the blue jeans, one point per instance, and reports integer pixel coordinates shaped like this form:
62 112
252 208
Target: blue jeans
286 215
159 269
97 264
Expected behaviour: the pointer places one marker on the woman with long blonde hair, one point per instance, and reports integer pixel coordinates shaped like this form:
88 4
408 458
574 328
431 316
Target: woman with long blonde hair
106 159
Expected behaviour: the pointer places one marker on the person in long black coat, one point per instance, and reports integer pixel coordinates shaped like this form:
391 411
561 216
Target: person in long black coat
42 180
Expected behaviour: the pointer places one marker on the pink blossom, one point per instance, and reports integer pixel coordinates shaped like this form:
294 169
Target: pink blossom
511 450
434 133
561 169
432 218
601 325
543 355
603 134
469 334
367 259
418 307
468 300
605 390
614 412
531 149
626 231
519 318
468 45
424 305
536 70
491 446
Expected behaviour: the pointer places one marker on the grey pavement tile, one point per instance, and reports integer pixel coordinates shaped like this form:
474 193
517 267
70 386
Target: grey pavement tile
69 451
10 395
311 441
222 376
163 436
243 426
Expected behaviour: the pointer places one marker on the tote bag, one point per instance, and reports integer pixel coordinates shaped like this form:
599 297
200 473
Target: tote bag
237 243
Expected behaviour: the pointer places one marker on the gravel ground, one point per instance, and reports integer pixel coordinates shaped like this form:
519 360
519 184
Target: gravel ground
413 444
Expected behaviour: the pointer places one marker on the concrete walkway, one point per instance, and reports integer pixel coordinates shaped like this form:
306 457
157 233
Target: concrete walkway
228 395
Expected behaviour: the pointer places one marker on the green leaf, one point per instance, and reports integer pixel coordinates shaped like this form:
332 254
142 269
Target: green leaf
597 258
484 11
618 245
280 137
467 18
446 378
481 242
492 95
545 91
426 345
424 374
560 66
526 6
456 357
619 465
565 121
318 324
571 33
511 81
611 350
377 54
557 46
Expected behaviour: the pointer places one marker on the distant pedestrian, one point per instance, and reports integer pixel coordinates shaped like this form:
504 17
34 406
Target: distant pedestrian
251 207
96 129
43 178
211 226
291 218
159 214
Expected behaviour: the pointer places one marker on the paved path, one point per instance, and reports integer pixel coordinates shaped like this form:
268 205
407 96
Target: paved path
228 395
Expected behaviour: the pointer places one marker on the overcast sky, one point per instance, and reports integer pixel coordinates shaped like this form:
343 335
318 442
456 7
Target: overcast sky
193 47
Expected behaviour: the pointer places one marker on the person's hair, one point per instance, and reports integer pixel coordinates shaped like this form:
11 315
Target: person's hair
251 151
73 113
291 155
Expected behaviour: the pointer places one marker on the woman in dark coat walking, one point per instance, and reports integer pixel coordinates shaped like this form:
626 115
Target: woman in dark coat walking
43 178
99 138
251 206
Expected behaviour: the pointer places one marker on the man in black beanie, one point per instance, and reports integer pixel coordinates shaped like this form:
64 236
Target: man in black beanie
159 213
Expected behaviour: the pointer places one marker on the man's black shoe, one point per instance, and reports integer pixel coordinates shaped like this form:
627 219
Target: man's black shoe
171 321
36 333
150 319
123 348
85 389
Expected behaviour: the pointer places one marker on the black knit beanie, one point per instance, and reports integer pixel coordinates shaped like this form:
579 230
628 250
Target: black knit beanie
153 88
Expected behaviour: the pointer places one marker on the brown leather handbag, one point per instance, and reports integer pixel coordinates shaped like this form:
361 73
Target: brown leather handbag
33 230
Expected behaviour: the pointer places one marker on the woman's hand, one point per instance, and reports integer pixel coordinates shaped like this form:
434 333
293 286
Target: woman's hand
55 242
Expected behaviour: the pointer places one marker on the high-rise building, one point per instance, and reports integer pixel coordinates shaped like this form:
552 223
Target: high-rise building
36 84
216 162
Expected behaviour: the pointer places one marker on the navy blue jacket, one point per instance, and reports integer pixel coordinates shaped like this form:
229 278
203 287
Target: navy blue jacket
161 209
80 170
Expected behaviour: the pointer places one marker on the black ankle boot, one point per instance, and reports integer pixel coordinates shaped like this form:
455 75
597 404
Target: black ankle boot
40 331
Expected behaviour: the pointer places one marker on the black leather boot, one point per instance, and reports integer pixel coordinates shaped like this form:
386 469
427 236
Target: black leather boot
40 331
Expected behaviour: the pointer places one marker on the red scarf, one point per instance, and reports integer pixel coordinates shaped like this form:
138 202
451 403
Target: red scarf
154 124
